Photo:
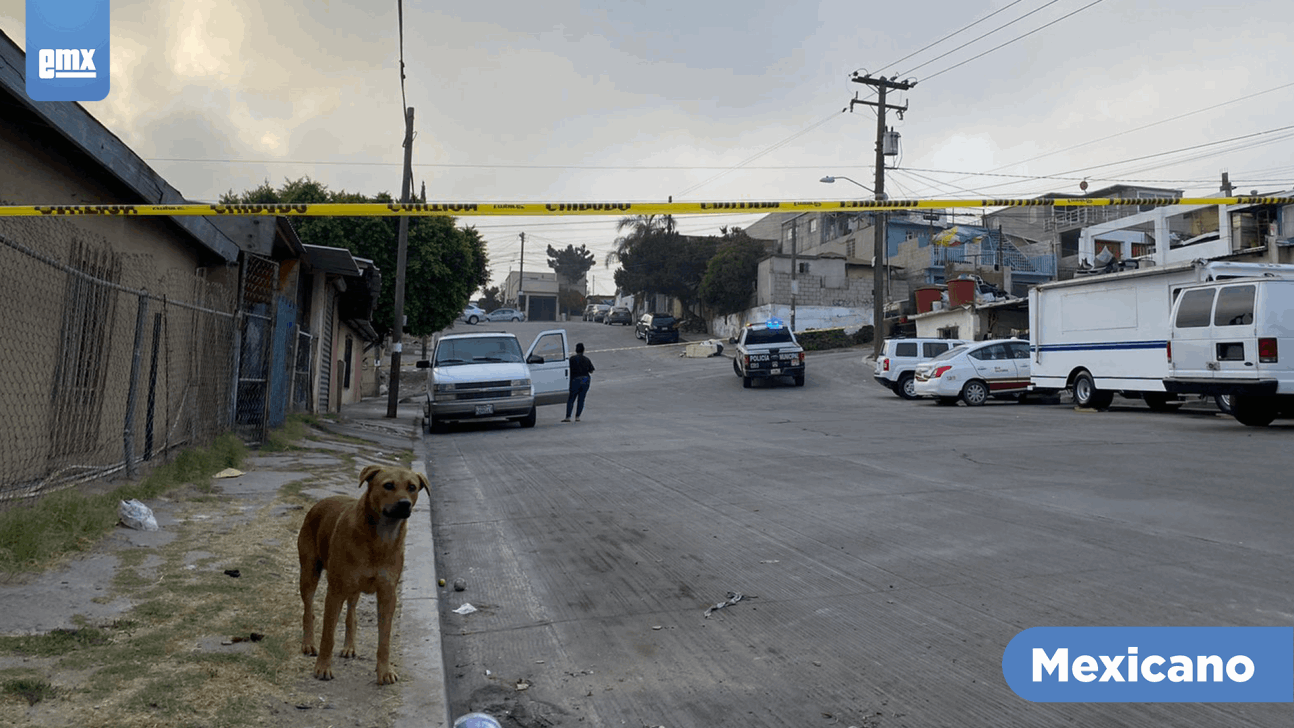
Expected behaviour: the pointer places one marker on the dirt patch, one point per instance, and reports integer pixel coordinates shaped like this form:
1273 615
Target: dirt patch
203 629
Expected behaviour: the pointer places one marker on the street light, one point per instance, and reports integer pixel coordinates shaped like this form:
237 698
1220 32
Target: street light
830 180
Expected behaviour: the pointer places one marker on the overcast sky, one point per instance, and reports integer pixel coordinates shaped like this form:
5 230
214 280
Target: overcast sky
702 101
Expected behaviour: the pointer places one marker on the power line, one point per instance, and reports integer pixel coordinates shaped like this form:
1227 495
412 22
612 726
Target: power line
1038 9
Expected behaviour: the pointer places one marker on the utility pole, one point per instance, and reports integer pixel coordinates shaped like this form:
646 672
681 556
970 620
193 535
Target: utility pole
878 248
521 275
397 328
795 283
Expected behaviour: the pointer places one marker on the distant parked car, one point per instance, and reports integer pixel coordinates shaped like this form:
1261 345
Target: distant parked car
600 311
588 311
657 327
505 314
472 314
619 315
899 359
976 371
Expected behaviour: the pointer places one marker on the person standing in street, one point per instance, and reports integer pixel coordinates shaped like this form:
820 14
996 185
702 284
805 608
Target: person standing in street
581 368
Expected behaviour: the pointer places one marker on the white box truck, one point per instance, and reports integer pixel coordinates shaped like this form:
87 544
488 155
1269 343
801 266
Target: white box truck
1107 334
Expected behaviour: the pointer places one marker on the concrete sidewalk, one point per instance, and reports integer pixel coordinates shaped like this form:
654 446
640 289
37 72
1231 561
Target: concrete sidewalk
424 703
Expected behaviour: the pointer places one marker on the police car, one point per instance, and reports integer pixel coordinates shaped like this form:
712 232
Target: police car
767 350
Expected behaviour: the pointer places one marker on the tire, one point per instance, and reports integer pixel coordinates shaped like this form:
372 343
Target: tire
1223 401
529 419
1161 402
975 393
435 426
1087 396
906 387
745 382
799 380
474 319
1253 411
515 319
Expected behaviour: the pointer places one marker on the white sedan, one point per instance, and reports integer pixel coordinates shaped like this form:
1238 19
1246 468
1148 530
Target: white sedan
505 314
976 371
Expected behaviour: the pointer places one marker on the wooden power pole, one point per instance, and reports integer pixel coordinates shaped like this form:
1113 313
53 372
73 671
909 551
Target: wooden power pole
878 247
397 328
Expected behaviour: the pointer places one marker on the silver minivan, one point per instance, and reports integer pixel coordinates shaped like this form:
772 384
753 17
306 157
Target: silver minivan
1227 338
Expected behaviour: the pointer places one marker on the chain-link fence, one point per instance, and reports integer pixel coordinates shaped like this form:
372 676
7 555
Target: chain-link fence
111 359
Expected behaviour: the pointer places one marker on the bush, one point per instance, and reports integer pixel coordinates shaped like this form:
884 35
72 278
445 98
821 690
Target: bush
822 339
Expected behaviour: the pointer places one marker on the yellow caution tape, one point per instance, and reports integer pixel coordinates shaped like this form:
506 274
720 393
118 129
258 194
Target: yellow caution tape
616 209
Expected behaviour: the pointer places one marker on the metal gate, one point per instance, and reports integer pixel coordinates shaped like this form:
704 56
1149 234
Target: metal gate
256 329
325 354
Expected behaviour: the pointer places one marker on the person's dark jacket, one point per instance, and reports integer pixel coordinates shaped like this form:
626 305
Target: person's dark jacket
581 366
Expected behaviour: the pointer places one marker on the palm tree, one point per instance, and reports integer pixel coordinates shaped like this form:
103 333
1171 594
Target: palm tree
640 228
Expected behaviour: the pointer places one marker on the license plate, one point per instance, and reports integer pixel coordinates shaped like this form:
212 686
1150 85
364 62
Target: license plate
484 409
776 371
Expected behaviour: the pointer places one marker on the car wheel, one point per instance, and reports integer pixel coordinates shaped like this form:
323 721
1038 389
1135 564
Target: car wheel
975 393
529 419
516 318
799 381
745 382
435 426
473 319
906 386
1086 394
1253 411
1223 401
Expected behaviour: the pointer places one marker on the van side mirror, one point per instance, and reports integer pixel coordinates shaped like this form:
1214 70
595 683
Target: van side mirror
535 359
423 364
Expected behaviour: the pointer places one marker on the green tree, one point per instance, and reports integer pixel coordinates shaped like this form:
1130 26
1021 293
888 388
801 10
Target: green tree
729 278
666 263
444 264
571 263
491 298
640 227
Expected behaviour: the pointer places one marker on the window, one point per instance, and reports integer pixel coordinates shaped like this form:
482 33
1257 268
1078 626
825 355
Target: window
989 353
804 268
813 224
1019 350
1193 310
550 347
934 348
771 336
905 349
1235 306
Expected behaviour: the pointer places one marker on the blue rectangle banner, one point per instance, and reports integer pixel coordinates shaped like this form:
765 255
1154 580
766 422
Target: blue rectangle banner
68 50
1152 664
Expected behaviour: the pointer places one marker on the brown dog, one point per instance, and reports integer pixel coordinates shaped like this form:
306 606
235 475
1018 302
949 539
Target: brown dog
360 543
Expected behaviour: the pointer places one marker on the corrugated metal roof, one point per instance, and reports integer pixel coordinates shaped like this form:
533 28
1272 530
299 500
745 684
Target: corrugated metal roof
331 260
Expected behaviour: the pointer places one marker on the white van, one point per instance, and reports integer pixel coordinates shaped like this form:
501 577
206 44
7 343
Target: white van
1227 337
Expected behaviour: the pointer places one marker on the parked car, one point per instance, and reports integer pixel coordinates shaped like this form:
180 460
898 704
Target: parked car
975 372
588 311
619 315
600 311
899 358
472 314
485 376
657 328
505 314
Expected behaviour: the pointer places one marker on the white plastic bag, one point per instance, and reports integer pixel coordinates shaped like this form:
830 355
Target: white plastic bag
136 515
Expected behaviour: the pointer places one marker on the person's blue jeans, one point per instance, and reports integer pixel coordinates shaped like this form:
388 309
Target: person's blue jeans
579 388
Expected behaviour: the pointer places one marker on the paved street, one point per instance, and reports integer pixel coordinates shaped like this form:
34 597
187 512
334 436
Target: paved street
886 550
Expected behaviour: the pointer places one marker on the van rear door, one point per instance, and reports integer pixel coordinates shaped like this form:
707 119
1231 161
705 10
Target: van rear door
1190 340
550 370
1234 337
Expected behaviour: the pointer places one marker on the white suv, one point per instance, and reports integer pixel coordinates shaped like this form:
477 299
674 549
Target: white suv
899 358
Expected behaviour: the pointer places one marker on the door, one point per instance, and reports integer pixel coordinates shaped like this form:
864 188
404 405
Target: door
995 365
550 372
1190 338
1235 338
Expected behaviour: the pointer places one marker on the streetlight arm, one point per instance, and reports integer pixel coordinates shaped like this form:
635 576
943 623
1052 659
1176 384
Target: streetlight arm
830 179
